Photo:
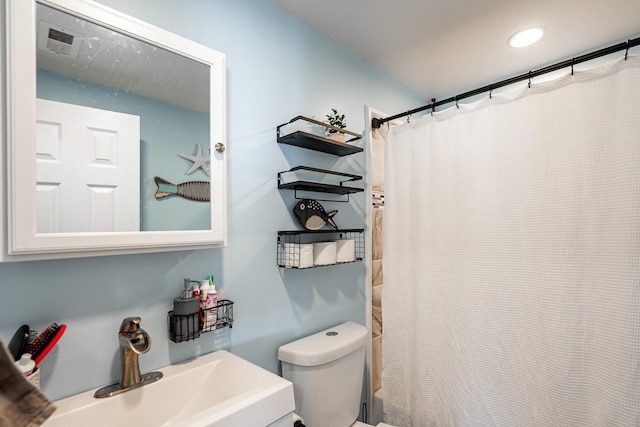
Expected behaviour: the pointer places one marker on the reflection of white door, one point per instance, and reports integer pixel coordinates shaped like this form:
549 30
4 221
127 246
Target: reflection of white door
88 169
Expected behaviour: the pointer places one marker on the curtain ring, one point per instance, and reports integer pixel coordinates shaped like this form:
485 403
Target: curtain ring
626 53
529 79
490 93
572 59
433 106
408 117
455 98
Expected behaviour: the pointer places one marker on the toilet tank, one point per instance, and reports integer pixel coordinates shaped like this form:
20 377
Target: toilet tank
326 370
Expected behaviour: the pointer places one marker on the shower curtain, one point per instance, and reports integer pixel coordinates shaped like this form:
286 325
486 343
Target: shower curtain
512 258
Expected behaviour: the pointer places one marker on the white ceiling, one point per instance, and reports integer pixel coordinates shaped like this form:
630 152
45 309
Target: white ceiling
441 48
115 60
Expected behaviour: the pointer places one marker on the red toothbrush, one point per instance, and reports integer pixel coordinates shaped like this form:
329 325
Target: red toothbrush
43 344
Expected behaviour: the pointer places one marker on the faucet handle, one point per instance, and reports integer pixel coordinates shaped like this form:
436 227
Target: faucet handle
130 324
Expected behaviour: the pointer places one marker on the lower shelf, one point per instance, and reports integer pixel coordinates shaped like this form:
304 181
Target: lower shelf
308 249
189 326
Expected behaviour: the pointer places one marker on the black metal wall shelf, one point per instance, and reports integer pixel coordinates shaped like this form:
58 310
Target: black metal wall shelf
320 187
290 246
319 143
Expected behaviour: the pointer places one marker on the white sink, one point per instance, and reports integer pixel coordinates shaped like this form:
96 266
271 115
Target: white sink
218 389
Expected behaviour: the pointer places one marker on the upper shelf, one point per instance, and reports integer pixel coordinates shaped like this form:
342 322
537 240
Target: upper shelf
311 141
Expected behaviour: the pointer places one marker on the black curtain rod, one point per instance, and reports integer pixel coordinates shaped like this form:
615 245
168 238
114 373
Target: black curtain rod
376 123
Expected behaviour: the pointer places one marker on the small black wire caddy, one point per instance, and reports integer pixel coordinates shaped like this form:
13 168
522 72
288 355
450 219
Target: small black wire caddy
188 327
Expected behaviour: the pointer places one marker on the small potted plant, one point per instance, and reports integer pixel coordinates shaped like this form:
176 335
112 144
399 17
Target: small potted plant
337 120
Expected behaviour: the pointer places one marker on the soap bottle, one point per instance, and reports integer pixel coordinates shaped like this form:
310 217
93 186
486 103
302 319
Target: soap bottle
28 367
205 286
25 364
185 323
211 306
186 303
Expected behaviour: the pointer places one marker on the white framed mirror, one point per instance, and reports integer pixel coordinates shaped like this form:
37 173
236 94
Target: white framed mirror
112 129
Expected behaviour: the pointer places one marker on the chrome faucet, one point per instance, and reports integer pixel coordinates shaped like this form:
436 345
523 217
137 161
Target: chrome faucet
134 341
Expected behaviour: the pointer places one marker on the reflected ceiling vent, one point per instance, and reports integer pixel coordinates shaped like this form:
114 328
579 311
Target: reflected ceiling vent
57 40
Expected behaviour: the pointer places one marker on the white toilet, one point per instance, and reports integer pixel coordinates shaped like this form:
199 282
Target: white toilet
326 370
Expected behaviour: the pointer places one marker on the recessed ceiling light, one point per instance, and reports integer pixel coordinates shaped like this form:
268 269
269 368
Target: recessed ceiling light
526 37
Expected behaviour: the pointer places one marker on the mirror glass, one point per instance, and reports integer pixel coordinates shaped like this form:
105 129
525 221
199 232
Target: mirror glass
111 130
121 111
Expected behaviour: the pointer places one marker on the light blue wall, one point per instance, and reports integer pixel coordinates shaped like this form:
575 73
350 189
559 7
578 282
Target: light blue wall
277 68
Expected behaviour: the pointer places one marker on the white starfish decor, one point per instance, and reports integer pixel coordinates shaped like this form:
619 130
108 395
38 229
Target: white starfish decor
199 161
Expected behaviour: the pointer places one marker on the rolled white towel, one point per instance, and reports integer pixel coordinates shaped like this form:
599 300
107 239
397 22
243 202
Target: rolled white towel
306 255
346 250
324 253
291 255
298 255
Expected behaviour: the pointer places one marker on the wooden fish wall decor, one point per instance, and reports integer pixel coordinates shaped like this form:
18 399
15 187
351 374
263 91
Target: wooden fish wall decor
312 216
193 190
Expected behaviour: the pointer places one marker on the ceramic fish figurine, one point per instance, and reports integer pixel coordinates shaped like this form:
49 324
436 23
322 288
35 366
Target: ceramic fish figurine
193 190
312 215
